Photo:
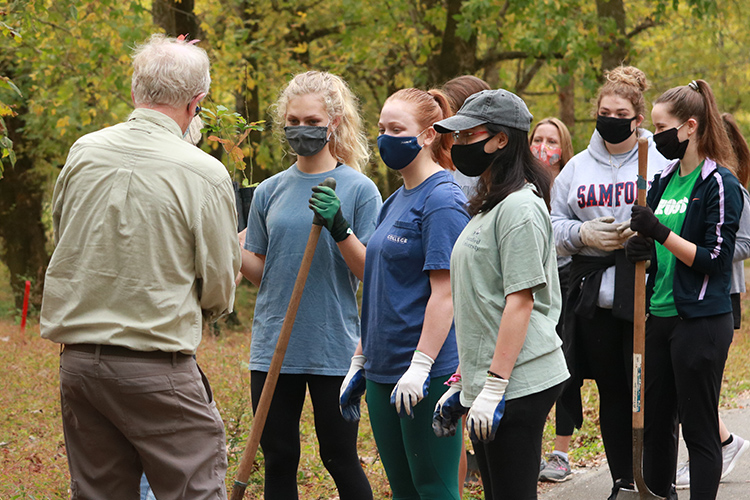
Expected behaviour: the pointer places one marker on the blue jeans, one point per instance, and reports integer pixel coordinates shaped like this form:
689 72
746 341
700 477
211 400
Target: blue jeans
146 493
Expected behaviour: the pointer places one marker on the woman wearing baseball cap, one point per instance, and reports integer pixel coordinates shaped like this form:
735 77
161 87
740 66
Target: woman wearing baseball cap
506 296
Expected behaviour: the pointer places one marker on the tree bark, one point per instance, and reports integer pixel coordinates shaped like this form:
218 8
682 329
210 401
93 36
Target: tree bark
457 56
616 46
566 100
176 17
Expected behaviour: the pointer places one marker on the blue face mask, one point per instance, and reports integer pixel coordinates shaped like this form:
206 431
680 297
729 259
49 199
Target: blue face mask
398 151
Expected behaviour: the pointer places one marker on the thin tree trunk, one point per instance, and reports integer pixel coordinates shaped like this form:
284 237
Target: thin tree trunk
176 17
566 100
616 44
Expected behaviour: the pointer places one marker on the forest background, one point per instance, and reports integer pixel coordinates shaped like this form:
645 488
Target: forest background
65 71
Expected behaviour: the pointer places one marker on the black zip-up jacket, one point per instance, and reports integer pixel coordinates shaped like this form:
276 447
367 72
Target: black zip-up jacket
711 222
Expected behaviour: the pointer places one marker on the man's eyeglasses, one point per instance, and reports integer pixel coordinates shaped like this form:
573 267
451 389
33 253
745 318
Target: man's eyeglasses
463 137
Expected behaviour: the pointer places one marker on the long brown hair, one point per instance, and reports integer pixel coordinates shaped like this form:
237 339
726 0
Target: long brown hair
739 145
697 101
431 106
460 88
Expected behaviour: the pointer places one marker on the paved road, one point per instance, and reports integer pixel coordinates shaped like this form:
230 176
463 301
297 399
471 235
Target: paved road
595 483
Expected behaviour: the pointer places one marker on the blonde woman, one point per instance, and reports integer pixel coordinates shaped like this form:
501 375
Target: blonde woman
318 113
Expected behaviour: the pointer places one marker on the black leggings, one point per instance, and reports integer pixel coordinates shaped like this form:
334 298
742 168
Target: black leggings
684 364
509 464
280 440
604 349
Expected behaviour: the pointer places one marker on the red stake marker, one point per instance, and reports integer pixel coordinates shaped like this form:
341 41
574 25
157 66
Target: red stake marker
25 306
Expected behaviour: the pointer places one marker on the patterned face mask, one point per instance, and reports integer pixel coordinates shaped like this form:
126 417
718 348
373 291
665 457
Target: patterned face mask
547 154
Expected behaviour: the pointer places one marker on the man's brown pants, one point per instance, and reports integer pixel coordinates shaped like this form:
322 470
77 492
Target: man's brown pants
126 412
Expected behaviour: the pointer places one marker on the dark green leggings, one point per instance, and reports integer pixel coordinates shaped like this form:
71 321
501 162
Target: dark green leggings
419 465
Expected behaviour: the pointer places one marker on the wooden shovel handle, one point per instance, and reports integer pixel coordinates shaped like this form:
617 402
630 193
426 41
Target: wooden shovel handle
261 412
639 304
639 348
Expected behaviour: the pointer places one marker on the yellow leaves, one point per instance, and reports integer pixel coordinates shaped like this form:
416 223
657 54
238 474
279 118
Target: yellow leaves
6 110
87 118
300 48
62 123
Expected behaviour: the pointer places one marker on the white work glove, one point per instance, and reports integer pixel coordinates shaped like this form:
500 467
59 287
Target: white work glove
601 233
448 411
625 231
352 389
412 386
487 410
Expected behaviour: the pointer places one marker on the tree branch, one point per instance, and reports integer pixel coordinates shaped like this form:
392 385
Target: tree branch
643 26
529 75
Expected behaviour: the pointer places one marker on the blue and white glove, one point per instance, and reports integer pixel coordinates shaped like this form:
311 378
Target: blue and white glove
412 386
487 410
352 389
448 411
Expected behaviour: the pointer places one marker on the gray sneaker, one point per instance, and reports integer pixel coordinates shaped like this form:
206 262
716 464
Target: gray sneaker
683 477
730 454
556 470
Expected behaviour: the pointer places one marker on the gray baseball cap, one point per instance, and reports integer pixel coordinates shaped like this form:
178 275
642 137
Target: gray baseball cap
500 107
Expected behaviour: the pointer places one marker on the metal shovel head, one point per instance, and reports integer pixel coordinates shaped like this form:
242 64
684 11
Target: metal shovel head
626 494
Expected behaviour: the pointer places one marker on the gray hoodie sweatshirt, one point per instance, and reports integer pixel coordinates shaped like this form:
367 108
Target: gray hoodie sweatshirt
596 184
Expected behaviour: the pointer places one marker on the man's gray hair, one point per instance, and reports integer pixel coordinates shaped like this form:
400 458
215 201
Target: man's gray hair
169 72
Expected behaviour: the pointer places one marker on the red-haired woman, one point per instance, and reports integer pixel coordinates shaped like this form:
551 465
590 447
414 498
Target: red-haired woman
408 346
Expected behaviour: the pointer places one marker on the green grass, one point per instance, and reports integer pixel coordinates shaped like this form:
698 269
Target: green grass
32 448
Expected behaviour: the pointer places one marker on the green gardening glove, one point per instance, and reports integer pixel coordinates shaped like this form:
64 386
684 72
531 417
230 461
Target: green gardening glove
327 209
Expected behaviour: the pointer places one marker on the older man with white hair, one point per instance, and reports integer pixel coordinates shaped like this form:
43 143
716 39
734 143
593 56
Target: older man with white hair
145 225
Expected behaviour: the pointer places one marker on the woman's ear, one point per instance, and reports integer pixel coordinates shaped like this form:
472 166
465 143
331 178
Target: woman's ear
638 121
496 143
430 136
335 123
692 126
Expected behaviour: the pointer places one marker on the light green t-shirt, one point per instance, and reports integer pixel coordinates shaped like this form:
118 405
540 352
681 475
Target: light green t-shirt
671 213
508 249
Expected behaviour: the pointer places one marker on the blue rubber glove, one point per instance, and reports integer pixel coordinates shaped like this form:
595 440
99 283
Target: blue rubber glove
352 389
487 410
448 411
413 384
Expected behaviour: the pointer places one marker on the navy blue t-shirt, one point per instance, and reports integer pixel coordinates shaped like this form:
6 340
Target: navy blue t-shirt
415 234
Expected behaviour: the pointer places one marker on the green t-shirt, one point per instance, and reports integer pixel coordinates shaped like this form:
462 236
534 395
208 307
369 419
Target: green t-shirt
671 213
508 249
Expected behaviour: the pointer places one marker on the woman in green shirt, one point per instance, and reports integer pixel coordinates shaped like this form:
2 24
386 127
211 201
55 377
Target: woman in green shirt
693 213
506 296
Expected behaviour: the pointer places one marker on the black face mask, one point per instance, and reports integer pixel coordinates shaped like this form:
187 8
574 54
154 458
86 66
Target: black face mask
669 145
614 130
307 140
471 159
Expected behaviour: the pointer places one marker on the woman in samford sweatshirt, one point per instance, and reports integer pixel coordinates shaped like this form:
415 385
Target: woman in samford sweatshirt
591 200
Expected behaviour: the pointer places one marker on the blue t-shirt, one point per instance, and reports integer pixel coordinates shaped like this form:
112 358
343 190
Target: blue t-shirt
326 329
416 232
